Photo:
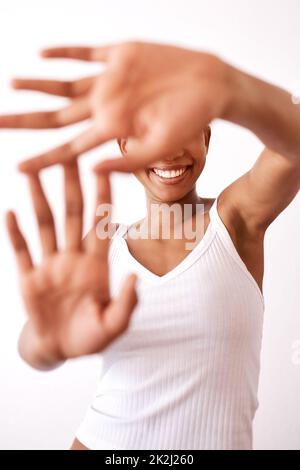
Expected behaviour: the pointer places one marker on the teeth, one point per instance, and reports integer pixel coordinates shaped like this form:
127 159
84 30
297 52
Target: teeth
169 173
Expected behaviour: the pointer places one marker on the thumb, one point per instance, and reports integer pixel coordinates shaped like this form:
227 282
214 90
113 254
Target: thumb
117 316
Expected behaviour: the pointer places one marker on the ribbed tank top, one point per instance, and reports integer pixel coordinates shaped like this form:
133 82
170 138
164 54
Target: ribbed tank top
184 375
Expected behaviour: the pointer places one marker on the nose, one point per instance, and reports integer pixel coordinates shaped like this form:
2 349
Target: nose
174 157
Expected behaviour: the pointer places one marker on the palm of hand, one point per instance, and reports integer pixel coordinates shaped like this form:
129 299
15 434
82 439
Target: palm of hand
133 97
149 81
64 299
67 298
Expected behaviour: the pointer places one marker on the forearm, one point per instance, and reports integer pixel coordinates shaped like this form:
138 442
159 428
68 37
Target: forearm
32 351
266 110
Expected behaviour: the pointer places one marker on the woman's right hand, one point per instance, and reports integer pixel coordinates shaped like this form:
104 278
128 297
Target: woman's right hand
161 96
67 298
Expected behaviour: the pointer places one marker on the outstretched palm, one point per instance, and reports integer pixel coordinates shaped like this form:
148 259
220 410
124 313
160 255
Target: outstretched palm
133 97
67 297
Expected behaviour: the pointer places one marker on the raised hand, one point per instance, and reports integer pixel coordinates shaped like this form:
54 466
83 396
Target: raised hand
161 96
67 297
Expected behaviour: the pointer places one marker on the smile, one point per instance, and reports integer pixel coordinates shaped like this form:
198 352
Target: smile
169 173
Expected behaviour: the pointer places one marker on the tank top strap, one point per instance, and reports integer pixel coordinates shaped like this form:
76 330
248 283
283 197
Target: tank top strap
118 232
220 227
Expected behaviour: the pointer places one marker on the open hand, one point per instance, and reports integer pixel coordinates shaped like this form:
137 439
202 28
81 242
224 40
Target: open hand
161 96
67 298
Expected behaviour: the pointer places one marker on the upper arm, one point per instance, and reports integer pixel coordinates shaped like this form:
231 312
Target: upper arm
261 194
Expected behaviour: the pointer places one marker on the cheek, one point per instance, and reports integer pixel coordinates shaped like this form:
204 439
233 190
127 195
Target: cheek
198 166
141 176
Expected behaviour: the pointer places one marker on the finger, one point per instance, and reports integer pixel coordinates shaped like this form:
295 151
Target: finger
139 159
98 241
117 316
79 53
43 214
74 206
163 141
78 111
65 153
19 244
121 164
68 89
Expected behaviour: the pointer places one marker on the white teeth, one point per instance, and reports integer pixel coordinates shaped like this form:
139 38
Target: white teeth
169 173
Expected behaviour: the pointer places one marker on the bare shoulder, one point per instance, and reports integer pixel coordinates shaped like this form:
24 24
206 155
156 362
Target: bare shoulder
241 233
228 211
224 208
248 241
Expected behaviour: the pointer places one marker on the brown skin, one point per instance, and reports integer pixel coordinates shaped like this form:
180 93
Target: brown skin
162 97
141 83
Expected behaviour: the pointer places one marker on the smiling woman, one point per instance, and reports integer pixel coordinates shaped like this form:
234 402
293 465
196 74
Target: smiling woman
174 177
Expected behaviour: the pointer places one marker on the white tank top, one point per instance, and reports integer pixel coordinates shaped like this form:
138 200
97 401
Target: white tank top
184 375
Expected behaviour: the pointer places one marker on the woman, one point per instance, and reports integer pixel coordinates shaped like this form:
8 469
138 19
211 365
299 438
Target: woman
181 346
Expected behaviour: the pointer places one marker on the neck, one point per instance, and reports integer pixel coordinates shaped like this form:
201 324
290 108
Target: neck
190 198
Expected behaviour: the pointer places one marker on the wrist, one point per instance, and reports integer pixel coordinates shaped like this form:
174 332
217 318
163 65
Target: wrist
241 100
267 111
255 104
220 79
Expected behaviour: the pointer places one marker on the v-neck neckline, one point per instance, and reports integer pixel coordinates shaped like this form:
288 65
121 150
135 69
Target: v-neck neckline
184 264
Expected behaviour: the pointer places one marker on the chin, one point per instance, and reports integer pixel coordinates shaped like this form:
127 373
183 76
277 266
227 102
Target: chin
170 196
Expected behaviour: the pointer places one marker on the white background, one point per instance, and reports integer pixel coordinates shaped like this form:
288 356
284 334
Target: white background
42 410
